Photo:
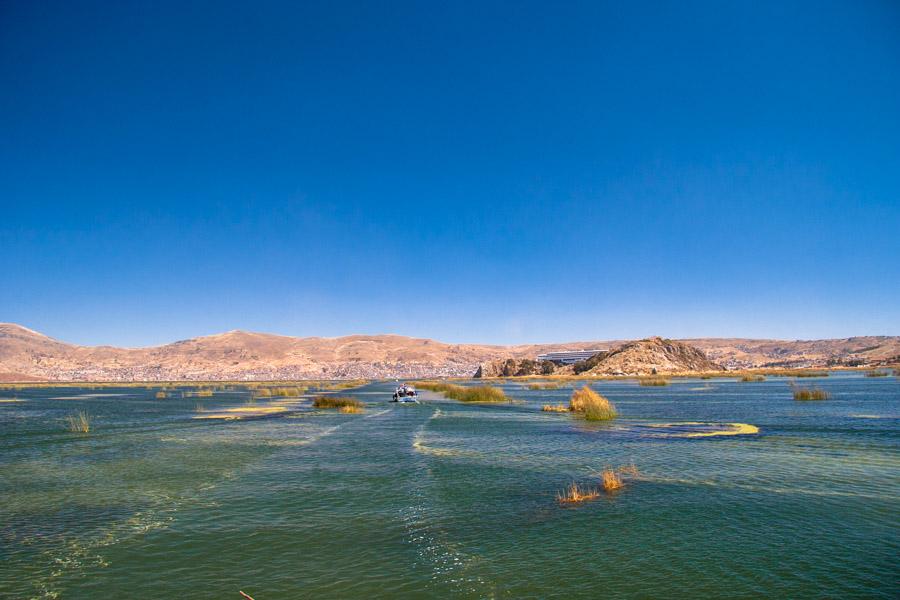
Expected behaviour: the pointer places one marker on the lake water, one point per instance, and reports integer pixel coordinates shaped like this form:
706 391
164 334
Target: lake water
447 500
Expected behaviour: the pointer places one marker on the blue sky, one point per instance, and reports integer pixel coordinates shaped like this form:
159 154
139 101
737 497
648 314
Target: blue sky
468 171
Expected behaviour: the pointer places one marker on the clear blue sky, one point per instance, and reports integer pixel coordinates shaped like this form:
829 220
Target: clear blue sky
468 171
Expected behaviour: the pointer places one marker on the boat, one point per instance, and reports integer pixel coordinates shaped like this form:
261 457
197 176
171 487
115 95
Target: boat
405 394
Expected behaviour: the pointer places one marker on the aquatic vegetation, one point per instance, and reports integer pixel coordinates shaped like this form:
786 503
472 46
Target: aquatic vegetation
576 493
336 402
204 393
752 378
161 395
262 392
877 373
480 393
592 405
344 385
80 422
555 408
732 429
654 380
199 408
797 373
350 409
551 385
809 393
610 480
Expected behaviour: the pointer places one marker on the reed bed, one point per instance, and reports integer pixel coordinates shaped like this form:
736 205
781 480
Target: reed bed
796 373
552 385
344 385
877 373
653 381
752 378
161 395
336 402
560 408
80 422
809 393
350 410
591 405
480 393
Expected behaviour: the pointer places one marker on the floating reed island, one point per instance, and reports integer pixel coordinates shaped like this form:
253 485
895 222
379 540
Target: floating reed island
479 393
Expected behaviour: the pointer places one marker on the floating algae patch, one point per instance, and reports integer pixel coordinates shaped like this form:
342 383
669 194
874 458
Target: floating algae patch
695 429
243 412
3 400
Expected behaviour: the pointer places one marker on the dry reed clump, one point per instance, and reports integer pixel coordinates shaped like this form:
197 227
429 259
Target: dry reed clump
336 402
161 395
560 408
552 385
610 480
592 405
204 393
653 381
350 410
480 393
753 378
809 393
262 392
575 493
877 373
80 422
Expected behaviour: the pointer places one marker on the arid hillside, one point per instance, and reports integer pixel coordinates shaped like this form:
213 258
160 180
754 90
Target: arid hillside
239 355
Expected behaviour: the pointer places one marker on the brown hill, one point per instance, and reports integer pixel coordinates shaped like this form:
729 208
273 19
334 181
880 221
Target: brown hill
240 355
644 357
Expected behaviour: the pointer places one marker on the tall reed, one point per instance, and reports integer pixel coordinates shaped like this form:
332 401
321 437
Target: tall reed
591 405
653 380
80 422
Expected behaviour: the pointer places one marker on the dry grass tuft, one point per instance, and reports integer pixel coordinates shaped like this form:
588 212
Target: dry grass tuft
80 422
575 494
654 380
161 395
809 393
350 410
752 378
594 406
336 402
555 408
610 480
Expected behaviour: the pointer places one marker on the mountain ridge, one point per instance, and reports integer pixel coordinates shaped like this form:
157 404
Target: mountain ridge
26 354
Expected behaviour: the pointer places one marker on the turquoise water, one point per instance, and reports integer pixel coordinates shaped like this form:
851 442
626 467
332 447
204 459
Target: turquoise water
450 500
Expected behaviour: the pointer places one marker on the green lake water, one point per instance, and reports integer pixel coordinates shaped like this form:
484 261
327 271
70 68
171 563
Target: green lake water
446 500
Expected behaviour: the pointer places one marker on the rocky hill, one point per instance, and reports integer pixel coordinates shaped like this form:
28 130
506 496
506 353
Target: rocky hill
649 356
240 355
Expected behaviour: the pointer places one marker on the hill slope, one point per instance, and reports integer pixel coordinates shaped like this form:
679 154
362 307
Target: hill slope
643 357
241 355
